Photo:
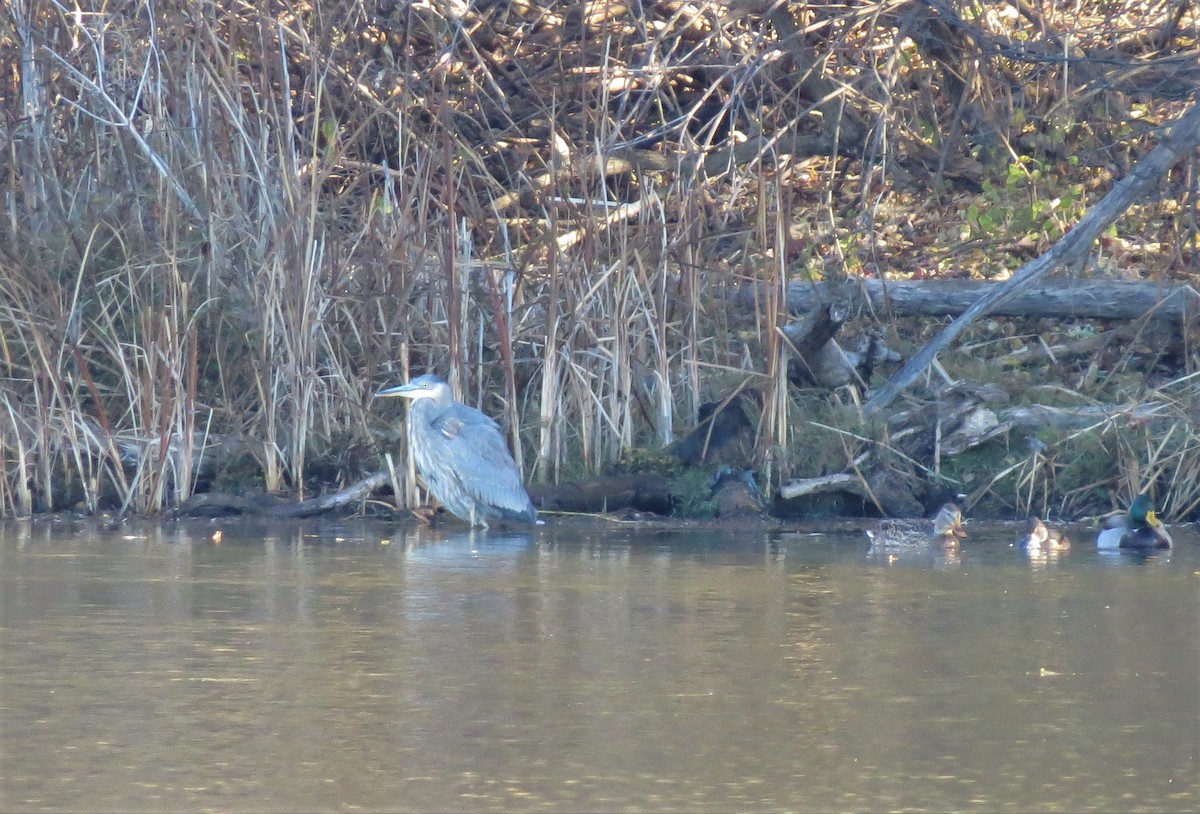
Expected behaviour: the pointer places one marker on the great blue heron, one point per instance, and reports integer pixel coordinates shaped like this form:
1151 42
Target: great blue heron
461 456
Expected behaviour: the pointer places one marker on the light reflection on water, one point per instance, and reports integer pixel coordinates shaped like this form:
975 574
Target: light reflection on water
358 666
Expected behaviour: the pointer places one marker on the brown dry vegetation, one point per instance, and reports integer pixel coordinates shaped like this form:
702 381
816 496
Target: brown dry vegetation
235 221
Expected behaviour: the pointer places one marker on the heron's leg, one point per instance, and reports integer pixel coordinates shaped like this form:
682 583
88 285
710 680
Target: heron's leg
477 522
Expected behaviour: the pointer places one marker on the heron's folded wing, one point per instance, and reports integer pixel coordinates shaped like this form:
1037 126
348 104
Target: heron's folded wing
487 470
451 427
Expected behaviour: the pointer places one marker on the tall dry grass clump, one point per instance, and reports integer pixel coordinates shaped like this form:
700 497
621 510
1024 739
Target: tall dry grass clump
225 225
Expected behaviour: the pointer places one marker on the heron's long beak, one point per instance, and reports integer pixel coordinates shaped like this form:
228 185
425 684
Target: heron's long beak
400 390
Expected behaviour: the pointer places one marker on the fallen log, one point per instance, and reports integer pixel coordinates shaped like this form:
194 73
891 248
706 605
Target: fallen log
645 492
267 506
1056 299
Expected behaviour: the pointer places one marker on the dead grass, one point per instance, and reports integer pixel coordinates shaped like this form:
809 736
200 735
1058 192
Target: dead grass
239 225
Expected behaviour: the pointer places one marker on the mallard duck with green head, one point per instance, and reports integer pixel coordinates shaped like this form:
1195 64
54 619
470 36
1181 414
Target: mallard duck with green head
1041 539
945 530
1138 528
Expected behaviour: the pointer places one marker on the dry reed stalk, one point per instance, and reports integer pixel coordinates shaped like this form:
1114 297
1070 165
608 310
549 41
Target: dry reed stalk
549 402
411 492
267 370
583 389
691 282
132 337
772 433
1183 493
622 354
15 495
500 293
652 313
1182 476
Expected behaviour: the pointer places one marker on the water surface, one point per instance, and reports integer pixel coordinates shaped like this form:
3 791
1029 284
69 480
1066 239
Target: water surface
361 666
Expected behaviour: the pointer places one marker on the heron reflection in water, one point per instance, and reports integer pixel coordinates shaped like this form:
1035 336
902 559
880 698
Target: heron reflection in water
461 456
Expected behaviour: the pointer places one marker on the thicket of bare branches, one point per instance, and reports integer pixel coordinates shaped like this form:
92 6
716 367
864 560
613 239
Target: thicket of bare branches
236 220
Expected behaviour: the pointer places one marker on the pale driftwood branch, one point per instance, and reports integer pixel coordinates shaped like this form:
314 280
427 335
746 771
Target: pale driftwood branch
841 482
353 493
1033 354
1063 418
1072 248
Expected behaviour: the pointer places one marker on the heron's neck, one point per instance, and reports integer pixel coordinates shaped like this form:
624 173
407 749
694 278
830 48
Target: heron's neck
428 409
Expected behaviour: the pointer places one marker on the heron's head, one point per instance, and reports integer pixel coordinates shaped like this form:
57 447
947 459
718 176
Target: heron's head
422 387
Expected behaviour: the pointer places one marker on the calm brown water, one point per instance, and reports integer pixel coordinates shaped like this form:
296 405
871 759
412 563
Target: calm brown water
358 667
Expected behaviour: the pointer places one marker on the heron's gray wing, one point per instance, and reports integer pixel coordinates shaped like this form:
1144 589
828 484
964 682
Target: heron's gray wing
451 427
474 448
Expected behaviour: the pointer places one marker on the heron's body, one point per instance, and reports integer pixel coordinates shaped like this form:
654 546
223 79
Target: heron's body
461 457
1139 528
944 530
